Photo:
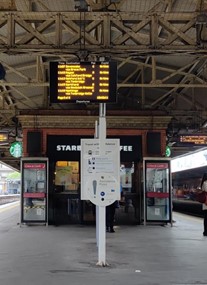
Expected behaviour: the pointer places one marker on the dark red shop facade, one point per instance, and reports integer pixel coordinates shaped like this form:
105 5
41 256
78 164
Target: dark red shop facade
58 138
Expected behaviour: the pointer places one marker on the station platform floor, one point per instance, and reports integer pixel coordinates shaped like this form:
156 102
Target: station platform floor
148 255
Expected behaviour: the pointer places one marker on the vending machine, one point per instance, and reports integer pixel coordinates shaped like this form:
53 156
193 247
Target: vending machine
34 190
157 190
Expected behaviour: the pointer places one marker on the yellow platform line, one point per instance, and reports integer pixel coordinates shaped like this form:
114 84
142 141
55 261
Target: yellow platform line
9 207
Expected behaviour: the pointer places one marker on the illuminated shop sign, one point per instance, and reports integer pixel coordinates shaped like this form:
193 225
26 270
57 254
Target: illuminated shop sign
83 82
67 147
78 148
63 147
16 149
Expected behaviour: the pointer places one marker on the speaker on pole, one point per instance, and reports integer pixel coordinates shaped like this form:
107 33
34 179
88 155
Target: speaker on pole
154 143
34 143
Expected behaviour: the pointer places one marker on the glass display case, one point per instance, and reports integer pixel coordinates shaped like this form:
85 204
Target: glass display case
34 189
157 190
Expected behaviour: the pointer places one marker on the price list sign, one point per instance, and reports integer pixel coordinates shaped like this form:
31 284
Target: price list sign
83 82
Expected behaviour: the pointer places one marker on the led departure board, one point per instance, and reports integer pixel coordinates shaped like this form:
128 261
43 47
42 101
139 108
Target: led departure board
4 138
83 82
194 139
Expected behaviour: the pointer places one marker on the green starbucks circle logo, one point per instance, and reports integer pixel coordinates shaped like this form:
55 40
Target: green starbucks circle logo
16 149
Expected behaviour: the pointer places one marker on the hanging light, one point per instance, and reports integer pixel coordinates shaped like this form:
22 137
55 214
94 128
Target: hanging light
81 5
201 19
201 28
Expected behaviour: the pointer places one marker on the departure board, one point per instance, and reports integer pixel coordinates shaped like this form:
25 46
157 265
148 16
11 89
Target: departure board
4 138
194 139
83 82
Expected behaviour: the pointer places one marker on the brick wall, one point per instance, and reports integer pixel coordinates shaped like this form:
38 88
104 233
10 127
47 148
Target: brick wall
90 132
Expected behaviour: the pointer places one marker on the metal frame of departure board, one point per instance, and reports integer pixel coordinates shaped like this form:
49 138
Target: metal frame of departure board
83 82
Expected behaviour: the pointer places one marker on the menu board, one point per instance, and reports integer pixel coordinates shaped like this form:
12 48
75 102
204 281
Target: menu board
83 82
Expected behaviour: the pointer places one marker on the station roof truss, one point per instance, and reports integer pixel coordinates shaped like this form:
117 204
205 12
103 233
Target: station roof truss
160 48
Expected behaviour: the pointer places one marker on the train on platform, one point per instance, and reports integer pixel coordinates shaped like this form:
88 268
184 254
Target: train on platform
187 207
187 172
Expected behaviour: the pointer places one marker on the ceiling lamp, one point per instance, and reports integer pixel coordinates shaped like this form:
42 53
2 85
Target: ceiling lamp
201 28
81 5
201 19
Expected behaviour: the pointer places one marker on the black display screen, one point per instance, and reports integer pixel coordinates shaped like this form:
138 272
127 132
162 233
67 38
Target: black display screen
83 82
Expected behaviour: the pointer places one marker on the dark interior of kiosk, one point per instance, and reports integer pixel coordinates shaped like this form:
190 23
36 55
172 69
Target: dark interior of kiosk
65 206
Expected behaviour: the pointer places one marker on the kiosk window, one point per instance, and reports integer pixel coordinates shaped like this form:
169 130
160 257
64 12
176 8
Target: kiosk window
67 175
127 176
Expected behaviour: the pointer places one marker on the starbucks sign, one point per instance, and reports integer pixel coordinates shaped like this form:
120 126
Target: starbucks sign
16 149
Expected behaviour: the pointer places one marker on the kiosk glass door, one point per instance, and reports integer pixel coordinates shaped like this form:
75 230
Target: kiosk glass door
34 190
157 191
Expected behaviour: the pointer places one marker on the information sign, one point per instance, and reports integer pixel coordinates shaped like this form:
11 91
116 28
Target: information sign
100 171
102 189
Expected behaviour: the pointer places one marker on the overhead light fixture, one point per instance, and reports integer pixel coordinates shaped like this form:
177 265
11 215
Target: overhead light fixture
201 19
201 29
81 5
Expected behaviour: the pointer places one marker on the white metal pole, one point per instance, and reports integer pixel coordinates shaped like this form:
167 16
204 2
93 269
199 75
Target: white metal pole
96 135
144 191
102 237
101 215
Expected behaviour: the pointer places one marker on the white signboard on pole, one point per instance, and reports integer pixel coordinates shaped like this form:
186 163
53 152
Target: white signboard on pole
100 171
